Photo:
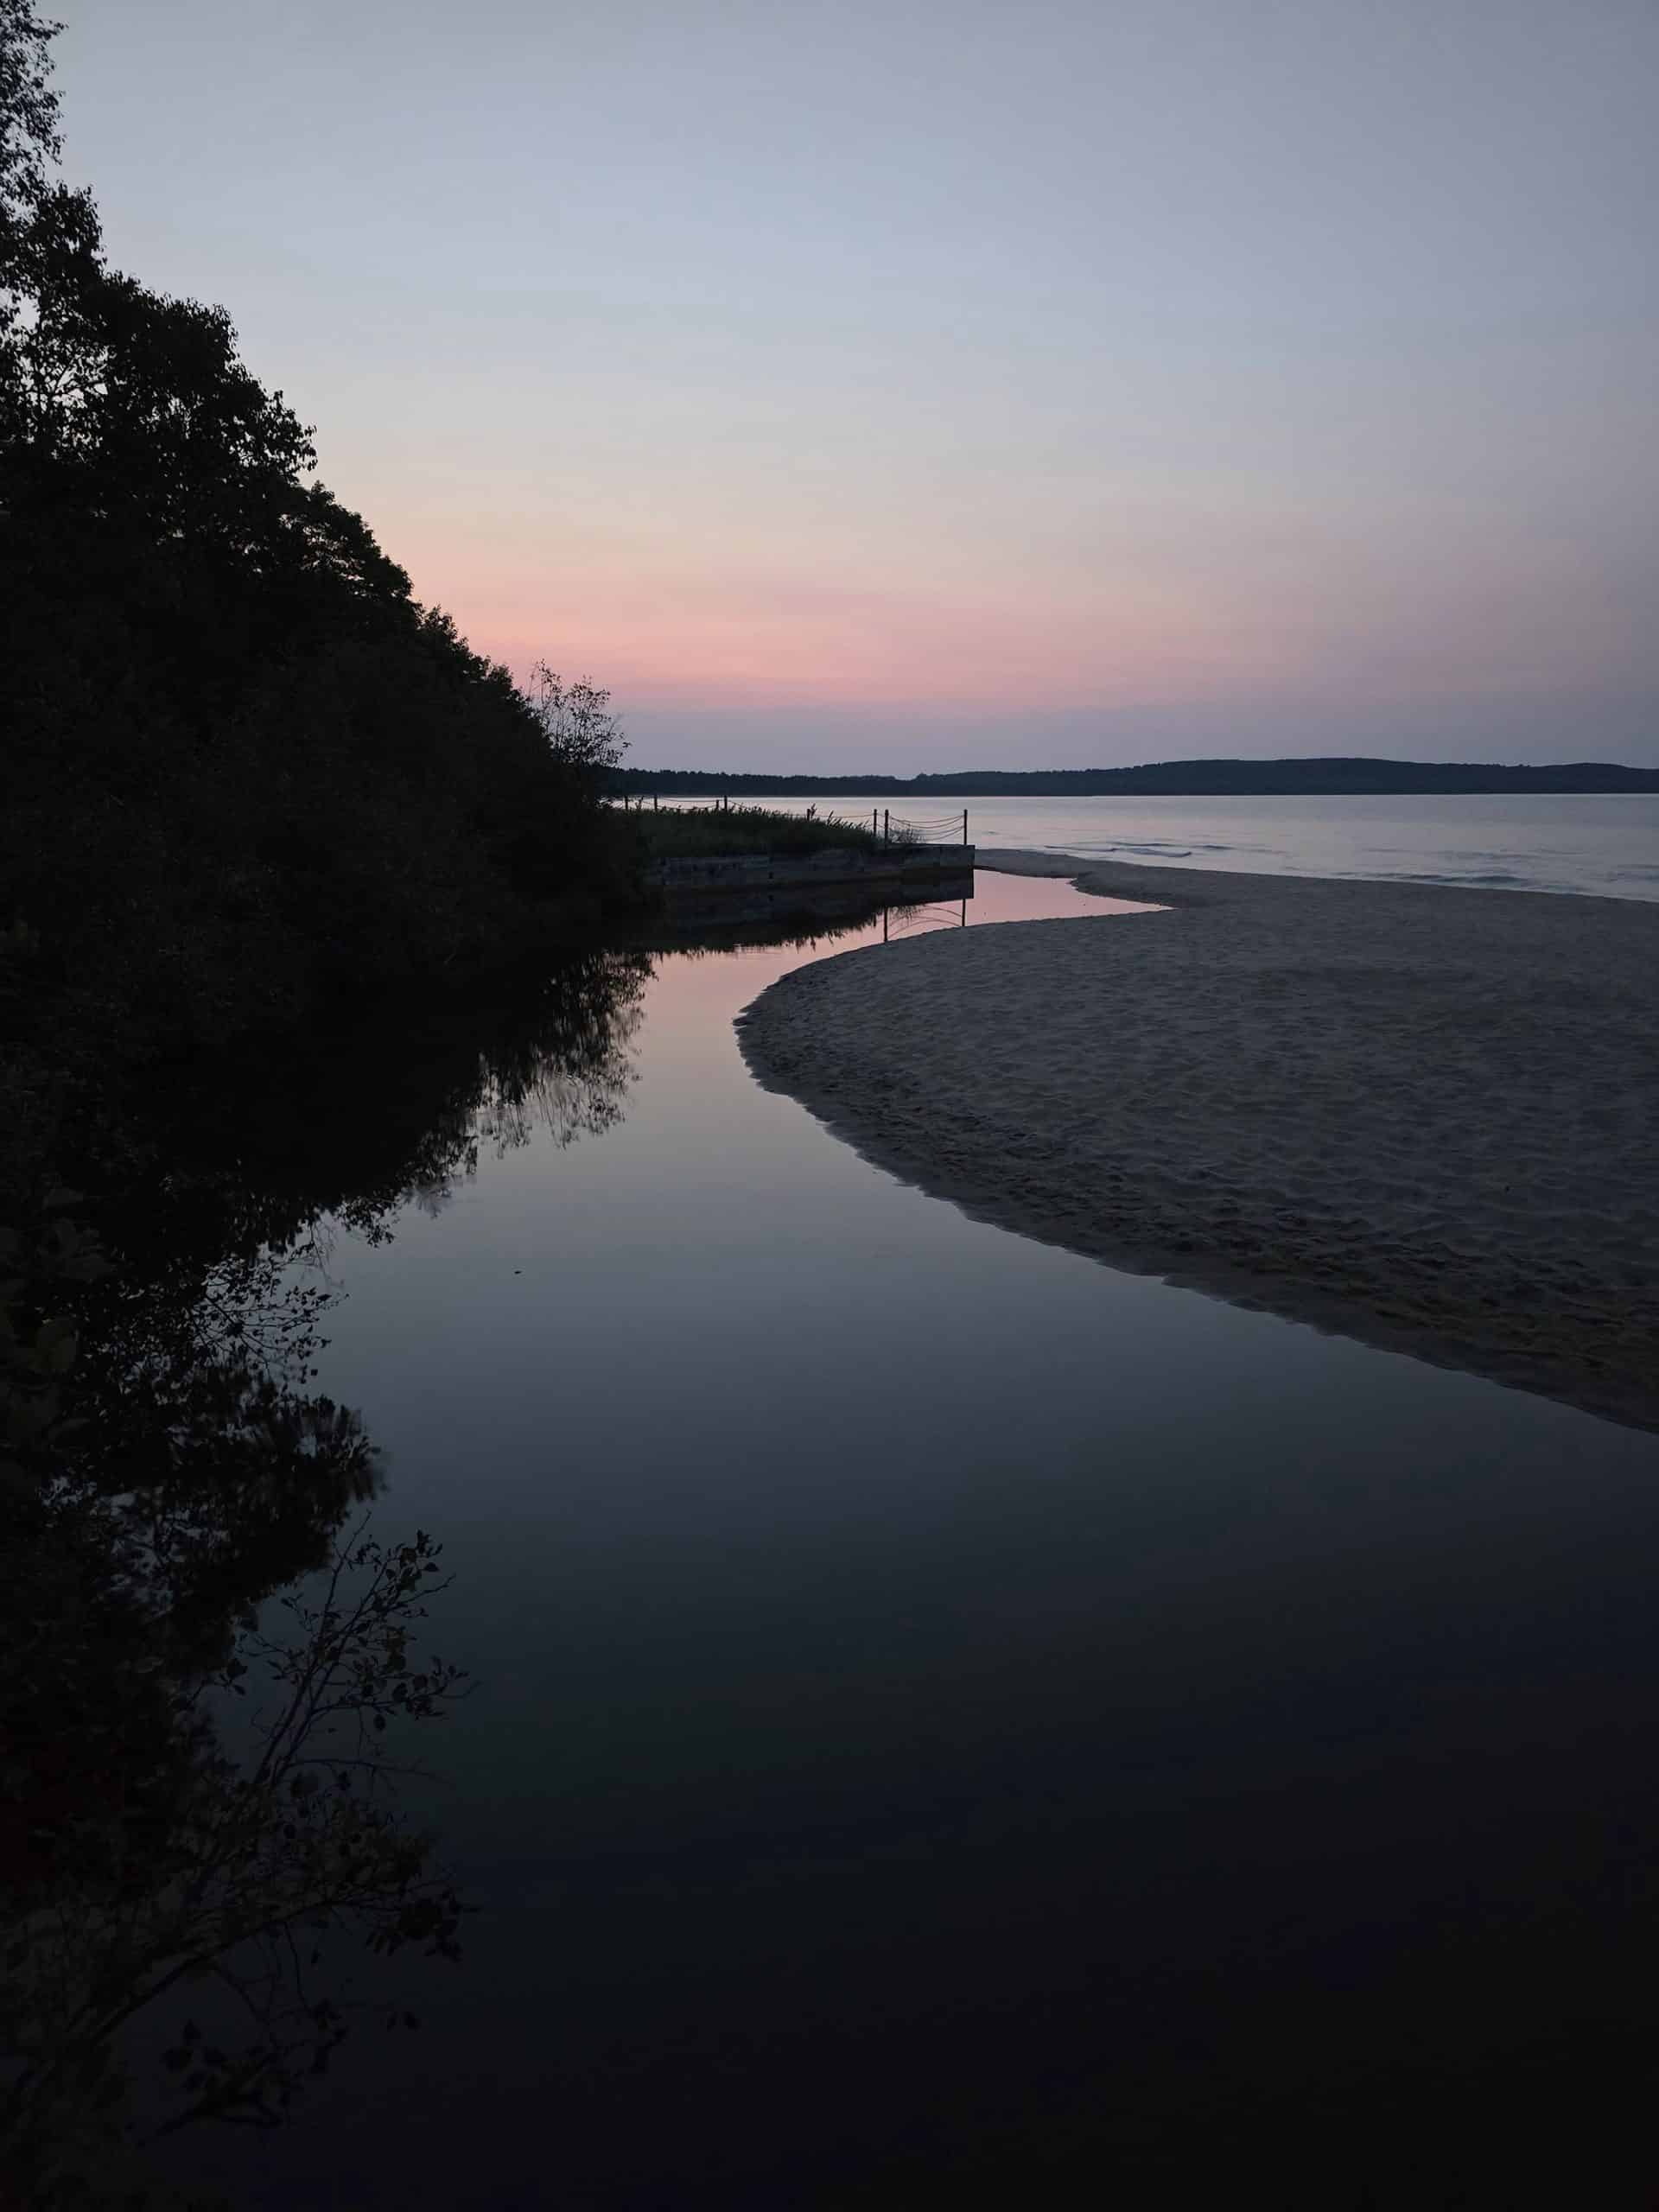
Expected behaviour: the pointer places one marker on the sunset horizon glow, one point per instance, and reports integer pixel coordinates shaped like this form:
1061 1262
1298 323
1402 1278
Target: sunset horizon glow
844 390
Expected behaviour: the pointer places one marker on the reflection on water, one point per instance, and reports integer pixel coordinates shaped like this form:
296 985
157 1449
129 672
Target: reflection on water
798 915
955 1723
210 1659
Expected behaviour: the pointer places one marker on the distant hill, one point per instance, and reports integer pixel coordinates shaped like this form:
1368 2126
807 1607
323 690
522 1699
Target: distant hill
1328 777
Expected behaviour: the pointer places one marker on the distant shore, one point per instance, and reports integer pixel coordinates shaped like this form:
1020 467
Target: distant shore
1329 776
1426 1118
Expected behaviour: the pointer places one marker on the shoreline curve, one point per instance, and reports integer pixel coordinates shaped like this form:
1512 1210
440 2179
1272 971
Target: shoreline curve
1422 1116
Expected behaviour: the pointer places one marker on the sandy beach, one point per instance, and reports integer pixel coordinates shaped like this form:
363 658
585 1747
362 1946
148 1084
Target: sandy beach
1422 1117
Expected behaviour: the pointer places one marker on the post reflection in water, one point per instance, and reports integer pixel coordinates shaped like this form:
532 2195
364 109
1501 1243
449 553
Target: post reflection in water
952 1721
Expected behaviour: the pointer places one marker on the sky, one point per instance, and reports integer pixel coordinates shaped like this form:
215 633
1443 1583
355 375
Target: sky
911 384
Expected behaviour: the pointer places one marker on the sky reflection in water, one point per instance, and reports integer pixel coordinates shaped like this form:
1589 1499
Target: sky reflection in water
942 1700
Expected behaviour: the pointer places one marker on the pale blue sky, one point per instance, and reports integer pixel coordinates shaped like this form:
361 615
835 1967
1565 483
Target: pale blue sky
907 386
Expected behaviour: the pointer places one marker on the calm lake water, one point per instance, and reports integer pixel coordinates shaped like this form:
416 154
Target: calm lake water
954 1718
1604 843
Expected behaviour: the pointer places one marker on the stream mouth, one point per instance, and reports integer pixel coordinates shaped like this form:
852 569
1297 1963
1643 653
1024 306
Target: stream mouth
944 1712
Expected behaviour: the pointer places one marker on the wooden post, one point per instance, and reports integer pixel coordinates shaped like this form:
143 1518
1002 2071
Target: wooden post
964 825
886 831
655 801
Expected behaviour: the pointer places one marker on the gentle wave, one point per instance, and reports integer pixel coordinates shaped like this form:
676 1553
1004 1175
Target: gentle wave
1488 879
1603 845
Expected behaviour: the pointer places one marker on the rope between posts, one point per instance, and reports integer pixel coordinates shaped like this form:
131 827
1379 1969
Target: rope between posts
936 830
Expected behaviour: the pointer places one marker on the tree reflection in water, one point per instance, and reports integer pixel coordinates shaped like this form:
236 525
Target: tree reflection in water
210 1662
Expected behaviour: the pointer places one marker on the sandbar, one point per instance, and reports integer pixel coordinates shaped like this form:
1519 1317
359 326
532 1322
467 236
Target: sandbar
1424 1117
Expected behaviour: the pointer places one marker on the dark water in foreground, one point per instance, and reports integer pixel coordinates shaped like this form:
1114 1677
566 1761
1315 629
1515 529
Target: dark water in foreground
958 1724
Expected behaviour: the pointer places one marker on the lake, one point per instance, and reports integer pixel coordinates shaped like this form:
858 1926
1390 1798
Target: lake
1605 843
953 1718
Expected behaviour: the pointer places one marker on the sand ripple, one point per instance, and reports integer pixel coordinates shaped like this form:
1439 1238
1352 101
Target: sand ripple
1424 1117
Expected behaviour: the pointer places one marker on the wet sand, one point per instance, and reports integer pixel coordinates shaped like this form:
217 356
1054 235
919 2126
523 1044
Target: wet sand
1426 1118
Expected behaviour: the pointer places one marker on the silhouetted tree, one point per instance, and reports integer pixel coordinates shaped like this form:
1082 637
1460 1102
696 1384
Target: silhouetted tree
245 769
576 721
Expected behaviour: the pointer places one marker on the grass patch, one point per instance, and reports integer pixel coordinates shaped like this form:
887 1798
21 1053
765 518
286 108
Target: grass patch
676 833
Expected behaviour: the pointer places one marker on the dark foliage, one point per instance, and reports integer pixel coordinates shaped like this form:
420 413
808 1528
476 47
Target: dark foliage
692 833
244 769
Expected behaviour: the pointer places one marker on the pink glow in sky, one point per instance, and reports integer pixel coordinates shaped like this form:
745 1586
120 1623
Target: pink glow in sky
863 387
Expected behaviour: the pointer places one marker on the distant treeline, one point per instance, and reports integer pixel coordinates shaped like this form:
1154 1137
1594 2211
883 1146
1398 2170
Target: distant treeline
1326 776
244 769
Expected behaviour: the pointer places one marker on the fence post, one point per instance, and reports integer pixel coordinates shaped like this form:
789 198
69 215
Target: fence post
964 825
886 831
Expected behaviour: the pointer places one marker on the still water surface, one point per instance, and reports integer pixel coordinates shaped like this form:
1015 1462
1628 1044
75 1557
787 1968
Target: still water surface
1605 843
952 1717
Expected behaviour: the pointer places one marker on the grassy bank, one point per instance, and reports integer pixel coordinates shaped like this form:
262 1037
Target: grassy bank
675 833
